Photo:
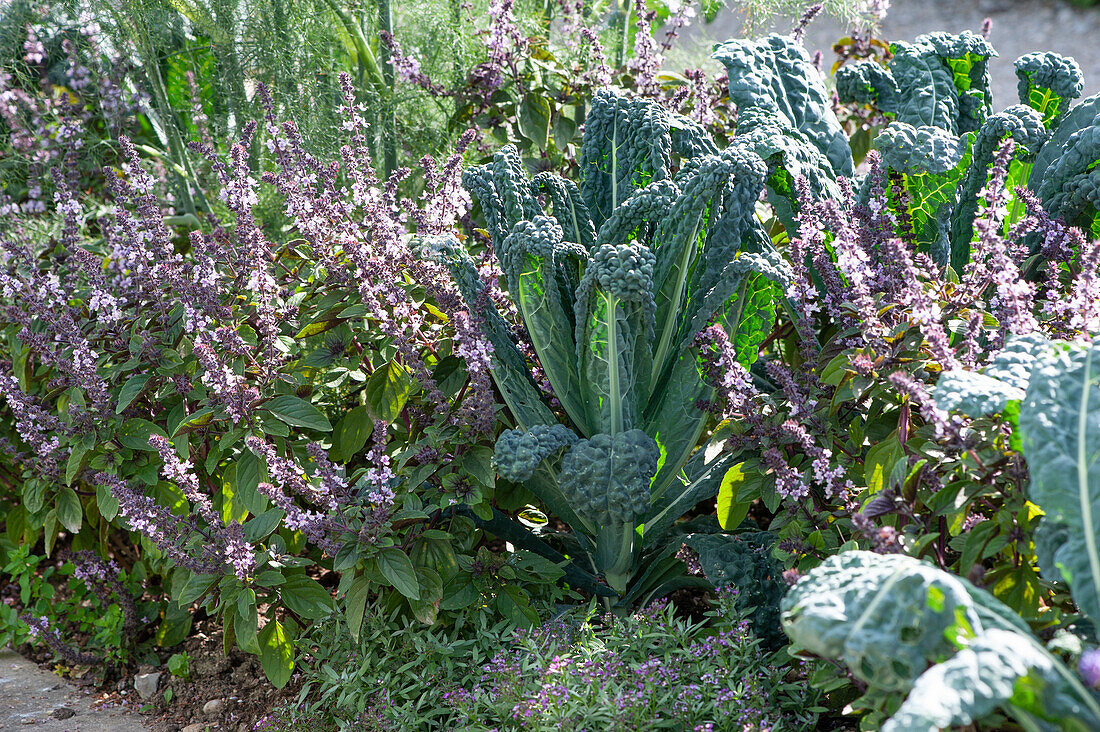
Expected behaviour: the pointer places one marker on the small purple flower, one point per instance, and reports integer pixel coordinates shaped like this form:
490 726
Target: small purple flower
39 629
171 533
238 552
37 626
1089 667
947 425
598 73
179 472
103 578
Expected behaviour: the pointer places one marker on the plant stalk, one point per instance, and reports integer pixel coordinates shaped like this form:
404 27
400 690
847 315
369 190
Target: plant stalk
389 115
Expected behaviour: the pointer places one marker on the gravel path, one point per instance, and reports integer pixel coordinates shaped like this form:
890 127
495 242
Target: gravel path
1019 26
37 701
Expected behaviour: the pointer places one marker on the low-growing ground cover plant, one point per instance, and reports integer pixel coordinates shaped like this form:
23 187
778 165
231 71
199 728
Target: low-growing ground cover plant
647 670
583 669
80 597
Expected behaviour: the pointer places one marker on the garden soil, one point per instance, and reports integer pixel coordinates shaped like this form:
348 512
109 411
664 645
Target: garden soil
223 692
1019 27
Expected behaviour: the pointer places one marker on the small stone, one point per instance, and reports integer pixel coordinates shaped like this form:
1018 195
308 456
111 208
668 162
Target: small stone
146 685
63 713
200 727
213 707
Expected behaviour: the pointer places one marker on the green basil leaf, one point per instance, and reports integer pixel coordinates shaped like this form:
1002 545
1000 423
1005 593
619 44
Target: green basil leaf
298 413
306 597
355 603
130 391
69 511
135 434
276 653
398 569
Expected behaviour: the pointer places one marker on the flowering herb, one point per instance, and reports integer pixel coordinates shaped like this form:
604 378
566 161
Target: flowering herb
237 400
649 669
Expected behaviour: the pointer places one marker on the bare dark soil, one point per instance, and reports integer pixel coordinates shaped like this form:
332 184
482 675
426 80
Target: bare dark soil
236 680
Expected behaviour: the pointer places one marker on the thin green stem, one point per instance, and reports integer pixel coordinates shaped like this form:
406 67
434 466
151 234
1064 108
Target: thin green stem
389 124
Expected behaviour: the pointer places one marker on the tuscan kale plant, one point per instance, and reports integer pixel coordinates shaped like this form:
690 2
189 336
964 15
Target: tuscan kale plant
891 617
939 144
1049 391
623 290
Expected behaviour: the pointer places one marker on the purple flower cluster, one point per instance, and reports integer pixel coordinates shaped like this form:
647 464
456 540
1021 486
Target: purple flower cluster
701 100
948 426
446 199
179 472
360 229
807 17
380 475
40 430
103 578
235 550
48 122
825 473
173 534
1089 667
228 389
867 259
994 261
1070 311
884 539
39 628
571 13
504 41
648 59
870 285
328 490
739 399
597 73
290 480
722 370
39 301
570 676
